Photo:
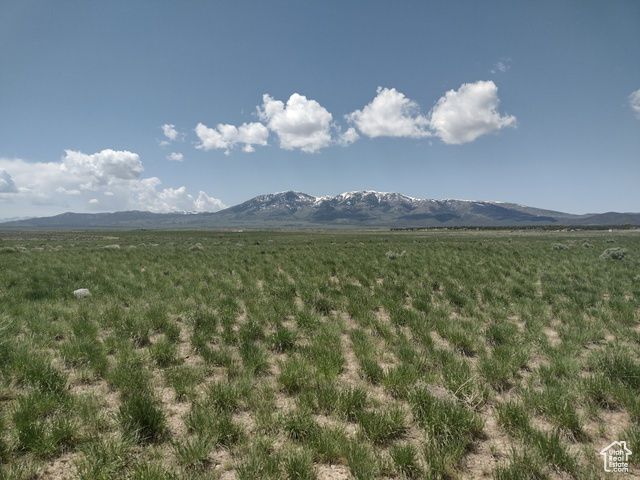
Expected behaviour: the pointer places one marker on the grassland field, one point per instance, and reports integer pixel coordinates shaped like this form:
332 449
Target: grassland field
328 355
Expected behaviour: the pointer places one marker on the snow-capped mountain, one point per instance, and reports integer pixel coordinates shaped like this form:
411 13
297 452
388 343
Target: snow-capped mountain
367 208
358 209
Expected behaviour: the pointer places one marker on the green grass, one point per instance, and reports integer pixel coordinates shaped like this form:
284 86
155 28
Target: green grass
193 454
141 415
382 426
522 465
298 465
282 353
406 459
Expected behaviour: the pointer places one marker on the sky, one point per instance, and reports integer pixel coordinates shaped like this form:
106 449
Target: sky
197 105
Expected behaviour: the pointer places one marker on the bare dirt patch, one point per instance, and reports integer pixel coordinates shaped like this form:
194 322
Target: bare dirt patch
61 468
488 452
552 336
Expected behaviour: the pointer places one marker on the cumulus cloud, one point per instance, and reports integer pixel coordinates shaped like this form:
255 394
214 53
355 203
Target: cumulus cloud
171 134
347 138
226 136
109 180
176 157
390 114
7 185
462 116
634 101
170 131
301 123
173 199
102 168
458 117
205 203
150 198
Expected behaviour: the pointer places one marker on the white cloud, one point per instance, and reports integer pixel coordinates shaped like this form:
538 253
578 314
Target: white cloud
502 66
108 180
464 115
102 168
302 123
634 101
170 132
172 199
7 185
205 203
176 157
458 117
226 136
390 114
347 138
68 192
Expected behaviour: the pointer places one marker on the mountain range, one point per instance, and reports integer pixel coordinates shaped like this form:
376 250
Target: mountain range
361 209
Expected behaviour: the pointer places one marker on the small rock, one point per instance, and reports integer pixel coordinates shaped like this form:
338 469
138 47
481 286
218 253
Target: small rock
82 293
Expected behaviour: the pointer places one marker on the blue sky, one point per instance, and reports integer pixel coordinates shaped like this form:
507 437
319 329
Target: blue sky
196 105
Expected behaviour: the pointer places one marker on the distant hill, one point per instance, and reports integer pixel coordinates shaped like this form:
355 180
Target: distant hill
361 209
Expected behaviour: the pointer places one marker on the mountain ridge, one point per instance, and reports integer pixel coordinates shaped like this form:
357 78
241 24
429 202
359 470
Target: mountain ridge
355 209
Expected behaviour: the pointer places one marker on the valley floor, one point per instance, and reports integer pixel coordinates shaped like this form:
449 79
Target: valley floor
329 355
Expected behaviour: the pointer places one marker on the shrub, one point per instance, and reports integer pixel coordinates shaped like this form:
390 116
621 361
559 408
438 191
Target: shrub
613 253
